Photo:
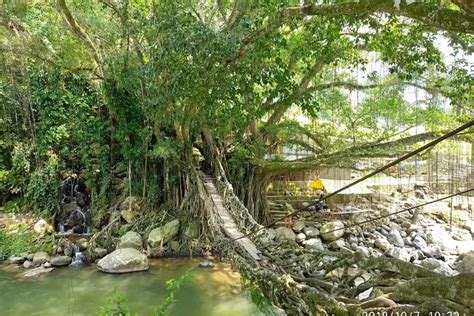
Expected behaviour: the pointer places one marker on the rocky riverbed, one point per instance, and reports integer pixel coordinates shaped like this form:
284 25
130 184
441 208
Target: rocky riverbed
423 237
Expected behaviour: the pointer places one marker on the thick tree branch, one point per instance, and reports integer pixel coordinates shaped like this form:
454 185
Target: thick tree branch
80 33
372 150
280 107
430 14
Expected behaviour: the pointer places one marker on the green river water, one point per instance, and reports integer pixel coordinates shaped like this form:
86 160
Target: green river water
82 290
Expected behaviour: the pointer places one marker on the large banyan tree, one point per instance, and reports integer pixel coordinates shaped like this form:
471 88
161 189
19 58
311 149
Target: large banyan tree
138 85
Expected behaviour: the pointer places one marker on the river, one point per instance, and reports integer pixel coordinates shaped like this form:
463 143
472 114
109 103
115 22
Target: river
83 290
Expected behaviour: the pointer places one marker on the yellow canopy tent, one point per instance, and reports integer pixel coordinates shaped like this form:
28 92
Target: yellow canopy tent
317 185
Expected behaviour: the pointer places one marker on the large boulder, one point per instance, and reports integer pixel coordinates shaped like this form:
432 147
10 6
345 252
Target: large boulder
60 261
283 233
123 261
130 240
161 235
40 258
332 231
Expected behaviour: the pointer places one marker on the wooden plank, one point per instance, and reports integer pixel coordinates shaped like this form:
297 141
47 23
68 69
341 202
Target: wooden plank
228 223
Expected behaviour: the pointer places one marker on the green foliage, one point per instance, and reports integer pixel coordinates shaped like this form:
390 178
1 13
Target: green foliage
15 242
42 193
116 306
173 287
257 297
137 81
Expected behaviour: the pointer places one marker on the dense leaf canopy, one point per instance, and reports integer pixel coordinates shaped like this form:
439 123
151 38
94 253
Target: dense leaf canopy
93 83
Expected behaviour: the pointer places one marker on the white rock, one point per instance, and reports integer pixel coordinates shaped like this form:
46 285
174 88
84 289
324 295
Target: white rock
123 260
332 231
314 244
42 227
284 233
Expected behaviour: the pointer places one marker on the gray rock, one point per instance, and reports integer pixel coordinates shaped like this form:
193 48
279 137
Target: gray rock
438 266
123 260
311 232
362 250
395 238
60 261
300 237
46 265
36 272
465 263
332 231
418 242
337 244
16 260
398 253
353 240
314 244
100 252
206 264
40 258
432 251
161 235
298 226
130 240
128 216
82 243
382 244
27 264
30 256
283 233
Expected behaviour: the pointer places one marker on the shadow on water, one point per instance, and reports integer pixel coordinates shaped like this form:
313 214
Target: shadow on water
81 290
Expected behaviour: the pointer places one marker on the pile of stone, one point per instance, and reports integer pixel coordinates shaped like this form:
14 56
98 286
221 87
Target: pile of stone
132 250
429 243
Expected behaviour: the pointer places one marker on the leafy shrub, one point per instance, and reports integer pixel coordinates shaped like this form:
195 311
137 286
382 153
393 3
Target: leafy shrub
14 243
17 177
43 188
